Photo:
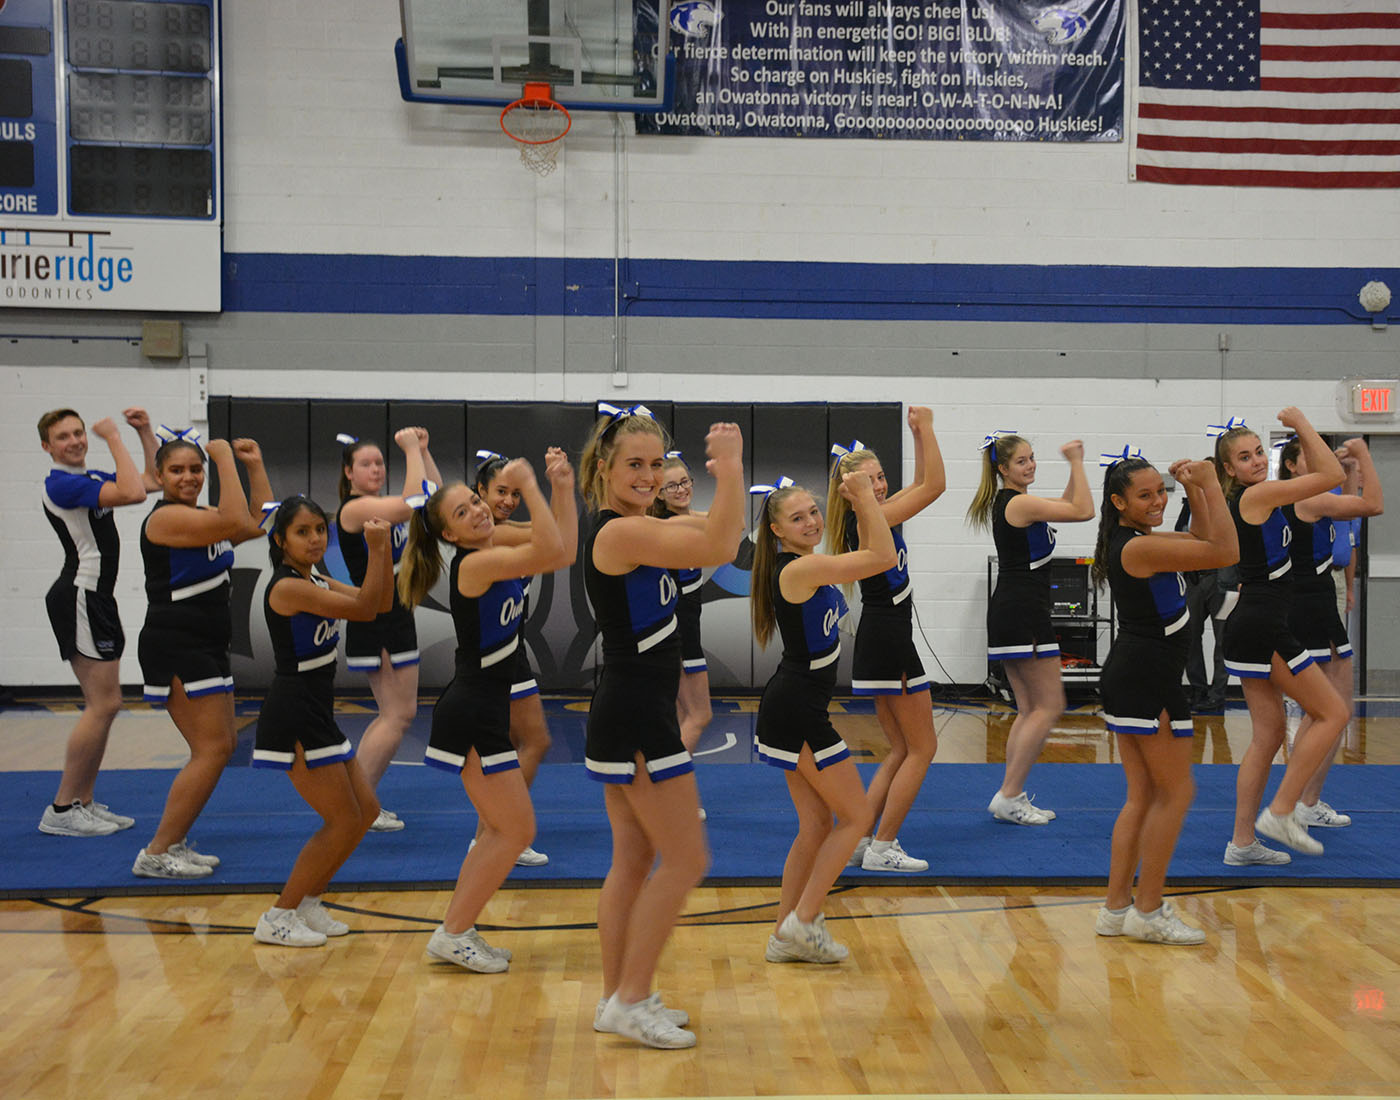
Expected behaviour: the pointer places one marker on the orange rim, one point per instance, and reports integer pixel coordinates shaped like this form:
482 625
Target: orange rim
536 98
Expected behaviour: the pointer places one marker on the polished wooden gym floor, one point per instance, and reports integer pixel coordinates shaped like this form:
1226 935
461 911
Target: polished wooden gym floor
971 991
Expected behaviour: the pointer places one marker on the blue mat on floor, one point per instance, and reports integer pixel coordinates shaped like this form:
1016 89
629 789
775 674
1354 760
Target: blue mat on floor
256 823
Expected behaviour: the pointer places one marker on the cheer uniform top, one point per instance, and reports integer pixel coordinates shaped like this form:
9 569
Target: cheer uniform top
634 705
793 710
188 625
474 709
80 603
1314 618
1018 611
689 582
1258 626
392 631
886 662
1142 676
300 704
522 676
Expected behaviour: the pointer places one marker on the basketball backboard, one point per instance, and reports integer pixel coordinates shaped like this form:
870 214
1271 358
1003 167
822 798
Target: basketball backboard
606 55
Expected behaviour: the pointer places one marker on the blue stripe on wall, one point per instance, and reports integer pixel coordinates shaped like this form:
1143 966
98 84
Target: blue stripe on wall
523 286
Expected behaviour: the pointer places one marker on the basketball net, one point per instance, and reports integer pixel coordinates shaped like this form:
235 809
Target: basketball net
538 124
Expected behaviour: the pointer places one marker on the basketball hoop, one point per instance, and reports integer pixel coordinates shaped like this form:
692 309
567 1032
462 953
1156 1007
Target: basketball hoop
539 124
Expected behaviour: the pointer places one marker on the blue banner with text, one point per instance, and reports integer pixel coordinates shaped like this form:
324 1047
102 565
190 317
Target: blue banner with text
983 70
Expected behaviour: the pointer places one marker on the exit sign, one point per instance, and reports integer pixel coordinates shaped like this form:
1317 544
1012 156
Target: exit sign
1371 398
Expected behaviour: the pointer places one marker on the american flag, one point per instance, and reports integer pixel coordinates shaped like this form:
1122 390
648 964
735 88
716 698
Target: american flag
1269 93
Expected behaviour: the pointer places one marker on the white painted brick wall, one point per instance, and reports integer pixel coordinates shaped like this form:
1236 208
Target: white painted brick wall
322 155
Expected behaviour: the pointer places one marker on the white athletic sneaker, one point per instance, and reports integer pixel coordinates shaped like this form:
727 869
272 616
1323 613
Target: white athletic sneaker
317 917
167 865
285 928
858 856
103 812
77 820
1164 926
467 949
1287 830
811 941
386 822
1255 854
642 1021
528 858
185 850
1322 815
1109 922
783 951
893 858
1018 810
676 1017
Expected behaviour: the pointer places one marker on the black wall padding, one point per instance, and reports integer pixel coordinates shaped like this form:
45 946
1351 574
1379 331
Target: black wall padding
298 442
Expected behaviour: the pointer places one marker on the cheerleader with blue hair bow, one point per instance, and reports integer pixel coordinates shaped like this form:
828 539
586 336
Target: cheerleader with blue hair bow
886 665
633 744
1020 634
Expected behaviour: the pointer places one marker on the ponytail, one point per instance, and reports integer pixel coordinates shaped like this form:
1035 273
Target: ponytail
765 556
600 447
979 512
1115 480
838 508
420 565
1228 483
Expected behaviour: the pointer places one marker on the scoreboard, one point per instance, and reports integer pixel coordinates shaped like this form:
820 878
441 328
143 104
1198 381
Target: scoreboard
110 154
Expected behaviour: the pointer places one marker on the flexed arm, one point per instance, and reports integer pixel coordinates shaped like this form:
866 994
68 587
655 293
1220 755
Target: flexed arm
249 453
930 477
139 419
128 488
562 503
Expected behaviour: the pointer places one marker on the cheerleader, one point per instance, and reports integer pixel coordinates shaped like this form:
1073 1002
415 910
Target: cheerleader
633 743
471 721
1262 650
886 664
529 732
82 605
1019 632
296 726
386 648
693 708
1144 703
794 590
1314 619
184 645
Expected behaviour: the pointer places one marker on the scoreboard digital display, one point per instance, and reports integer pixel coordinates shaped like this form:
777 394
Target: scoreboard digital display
110 154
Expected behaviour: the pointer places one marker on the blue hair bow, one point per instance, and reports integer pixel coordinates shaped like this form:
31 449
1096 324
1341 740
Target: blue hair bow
675 454
1215 430
1126 453
345 438
768 490
616 412
269 511
989 442
838 451
487 456
417 501
183 435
